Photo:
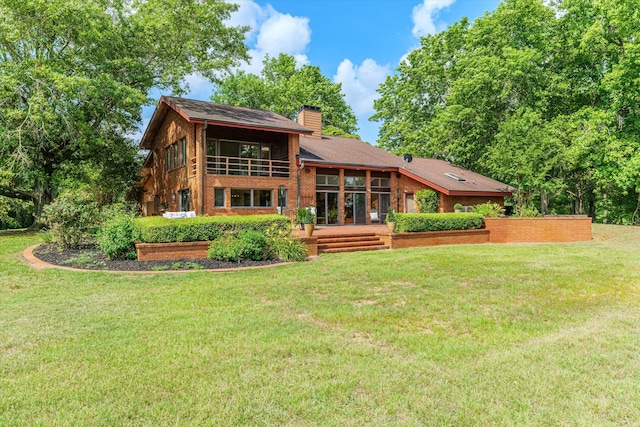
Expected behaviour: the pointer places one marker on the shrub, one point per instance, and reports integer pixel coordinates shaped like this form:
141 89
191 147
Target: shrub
391 216
527 211
204 228
246 244
488 210
437 222
15 213
70 217
458 206
117 235
428 201
283 246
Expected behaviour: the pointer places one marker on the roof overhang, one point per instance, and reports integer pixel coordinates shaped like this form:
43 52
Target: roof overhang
499 193
164 105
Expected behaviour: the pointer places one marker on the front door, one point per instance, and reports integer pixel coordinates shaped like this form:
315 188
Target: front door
355 208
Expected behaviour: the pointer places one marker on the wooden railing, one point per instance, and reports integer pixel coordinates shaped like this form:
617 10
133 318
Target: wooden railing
221 165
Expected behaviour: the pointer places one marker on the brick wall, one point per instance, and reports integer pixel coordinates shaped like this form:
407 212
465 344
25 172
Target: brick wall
539 230
171 251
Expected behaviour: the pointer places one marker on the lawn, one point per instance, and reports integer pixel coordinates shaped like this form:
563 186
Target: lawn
545 334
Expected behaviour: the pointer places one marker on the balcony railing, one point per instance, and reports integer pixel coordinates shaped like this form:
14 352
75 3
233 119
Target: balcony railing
220 165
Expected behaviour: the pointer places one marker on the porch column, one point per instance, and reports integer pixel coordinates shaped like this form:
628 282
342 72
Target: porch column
367 208
341 197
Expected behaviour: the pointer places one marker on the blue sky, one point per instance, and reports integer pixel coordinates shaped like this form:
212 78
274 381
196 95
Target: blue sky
355 42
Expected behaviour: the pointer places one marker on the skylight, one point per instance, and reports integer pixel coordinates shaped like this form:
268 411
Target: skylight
454 176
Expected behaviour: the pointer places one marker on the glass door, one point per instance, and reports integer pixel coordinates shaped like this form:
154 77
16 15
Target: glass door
327 206
355 208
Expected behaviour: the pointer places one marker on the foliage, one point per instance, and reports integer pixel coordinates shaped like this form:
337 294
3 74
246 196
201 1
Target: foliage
283 89
282 245
116 236
437 222
15 213
70 217
304 216
488 210
428 200
205 228
527 211
244 245
542 95
458 206
391 216
75 74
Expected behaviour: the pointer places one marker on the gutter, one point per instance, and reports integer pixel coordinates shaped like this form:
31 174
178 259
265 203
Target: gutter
203 165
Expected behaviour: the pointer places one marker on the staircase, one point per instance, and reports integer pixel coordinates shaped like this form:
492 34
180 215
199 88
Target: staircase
332 243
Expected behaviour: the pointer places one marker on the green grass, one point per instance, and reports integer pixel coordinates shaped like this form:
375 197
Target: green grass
543 334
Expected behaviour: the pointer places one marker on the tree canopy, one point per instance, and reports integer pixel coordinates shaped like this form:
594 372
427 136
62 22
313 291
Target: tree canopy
542 95
283 89
74 76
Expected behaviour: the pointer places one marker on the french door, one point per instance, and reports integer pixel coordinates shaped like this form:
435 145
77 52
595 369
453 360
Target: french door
355 208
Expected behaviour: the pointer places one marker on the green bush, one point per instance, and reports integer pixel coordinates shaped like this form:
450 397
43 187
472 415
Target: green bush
428 200
15 213
70 217
205 228
488 210
281 245
437 222
527 211
117 235
246 244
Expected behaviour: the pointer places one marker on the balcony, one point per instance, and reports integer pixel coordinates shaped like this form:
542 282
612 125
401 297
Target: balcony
238 166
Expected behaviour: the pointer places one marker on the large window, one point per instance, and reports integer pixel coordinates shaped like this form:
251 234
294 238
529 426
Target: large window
176 154
250 198
380 183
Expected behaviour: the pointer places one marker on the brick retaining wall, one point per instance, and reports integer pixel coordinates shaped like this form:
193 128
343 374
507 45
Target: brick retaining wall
435 238
171 251
574 228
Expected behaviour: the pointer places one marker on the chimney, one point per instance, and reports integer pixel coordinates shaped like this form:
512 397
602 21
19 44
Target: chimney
311 118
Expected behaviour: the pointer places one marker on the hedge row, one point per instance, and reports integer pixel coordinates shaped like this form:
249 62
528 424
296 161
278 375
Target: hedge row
158 229
437 222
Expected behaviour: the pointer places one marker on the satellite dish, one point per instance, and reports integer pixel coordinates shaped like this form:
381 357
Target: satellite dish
408 158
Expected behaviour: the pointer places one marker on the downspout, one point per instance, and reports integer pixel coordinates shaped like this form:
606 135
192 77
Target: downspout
298 173
203 166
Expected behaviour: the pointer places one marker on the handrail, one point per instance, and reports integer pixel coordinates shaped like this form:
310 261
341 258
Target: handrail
222 165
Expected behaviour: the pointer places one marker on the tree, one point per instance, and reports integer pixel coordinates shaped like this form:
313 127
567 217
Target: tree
75 74
283 89
543 95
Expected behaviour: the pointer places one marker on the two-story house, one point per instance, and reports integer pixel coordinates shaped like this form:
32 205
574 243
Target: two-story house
218 159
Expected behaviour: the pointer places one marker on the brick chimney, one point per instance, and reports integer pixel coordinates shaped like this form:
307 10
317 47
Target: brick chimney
311 118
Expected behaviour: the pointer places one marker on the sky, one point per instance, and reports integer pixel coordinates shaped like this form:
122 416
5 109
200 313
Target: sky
357 43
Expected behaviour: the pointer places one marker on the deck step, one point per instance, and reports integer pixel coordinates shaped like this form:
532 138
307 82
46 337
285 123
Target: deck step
351 242
353 249
347 244
325 240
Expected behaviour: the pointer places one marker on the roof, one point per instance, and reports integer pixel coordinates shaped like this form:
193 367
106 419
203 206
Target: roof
438 174
194 111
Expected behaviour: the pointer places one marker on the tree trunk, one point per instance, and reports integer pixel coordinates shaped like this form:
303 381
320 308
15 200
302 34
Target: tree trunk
544 203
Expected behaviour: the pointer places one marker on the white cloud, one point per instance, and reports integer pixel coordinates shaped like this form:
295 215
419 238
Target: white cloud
424 14
272 33
359 84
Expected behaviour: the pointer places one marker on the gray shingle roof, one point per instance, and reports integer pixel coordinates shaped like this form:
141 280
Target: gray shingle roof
332 150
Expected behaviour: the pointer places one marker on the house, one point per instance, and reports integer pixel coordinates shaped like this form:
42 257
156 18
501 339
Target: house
224 160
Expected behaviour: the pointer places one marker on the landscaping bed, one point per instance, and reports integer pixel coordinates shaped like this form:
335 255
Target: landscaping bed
88 256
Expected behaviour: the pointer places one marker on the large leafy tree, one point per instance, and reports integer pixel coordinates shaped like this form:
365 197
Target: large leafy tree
74 75
543 95
283 88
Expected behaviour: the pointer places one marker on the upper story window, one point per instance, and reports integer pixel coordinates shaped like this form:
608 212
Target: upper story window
176 154
327 180
355 181
244 150
380 183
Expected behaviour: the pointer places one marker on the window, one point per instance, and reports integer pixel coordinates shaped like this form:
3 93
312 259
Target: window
176 154
454 177
327 180
250 198
354 181
182 146
380 182
218 198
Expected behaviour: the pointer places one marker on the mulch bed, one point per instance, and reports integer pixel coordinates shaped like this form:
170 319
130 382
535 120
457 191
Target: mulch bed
89 257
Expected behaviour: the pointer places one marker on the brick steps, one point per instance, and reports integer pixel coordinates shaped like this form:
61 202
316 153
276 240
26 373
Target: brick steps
349 243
